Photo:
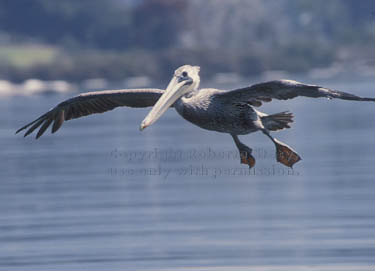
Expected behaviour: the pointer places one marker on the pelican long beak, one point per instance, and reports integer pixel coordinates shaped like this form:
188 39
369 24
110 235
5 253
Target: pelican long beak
176 88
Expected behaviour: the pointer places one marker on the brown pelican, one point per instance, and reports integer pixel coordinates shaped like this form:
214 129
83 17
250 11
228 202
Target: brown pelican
229 112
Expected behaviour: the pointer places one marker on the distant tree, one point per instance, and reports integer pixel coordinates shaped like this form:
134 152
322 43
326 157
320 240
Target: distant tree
158 23
94 23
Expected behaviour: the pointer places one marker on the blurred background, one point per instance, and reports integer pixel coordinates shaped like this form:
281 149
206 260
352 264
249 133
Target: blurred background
100 195
78 40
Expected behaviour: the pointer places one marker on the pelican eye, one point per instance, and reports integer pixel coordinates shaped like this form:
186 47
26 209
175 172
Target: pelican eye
184 74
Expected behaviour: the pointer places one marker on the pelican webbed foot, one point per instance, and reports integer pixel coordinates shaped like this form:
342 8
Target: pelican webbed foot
285 155
247 158
245 152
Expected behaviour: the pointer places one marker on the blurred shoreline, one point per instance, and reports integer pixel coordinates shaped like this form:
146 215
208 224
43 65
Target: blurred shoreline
20 63
342 72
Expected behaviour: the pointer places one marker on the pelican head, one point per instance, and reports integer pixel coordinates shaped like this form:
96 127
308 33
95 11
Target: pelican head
185 79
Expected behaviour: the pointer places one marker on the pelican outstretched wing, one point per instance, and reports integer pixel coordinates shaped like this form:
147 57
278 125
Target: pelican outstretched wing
284 90
91 103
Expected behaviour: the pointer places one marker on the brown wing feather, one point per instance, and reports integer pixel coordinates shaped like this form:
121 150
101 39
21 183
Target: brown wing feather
91 103
284 90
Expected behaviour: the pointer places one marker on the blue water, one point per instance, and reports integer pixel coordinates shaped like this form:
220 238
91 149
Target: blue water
101 195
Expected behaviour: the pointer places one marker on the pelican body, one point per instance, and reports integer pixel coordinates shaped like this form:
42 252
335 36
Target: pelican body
231 112
202 109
